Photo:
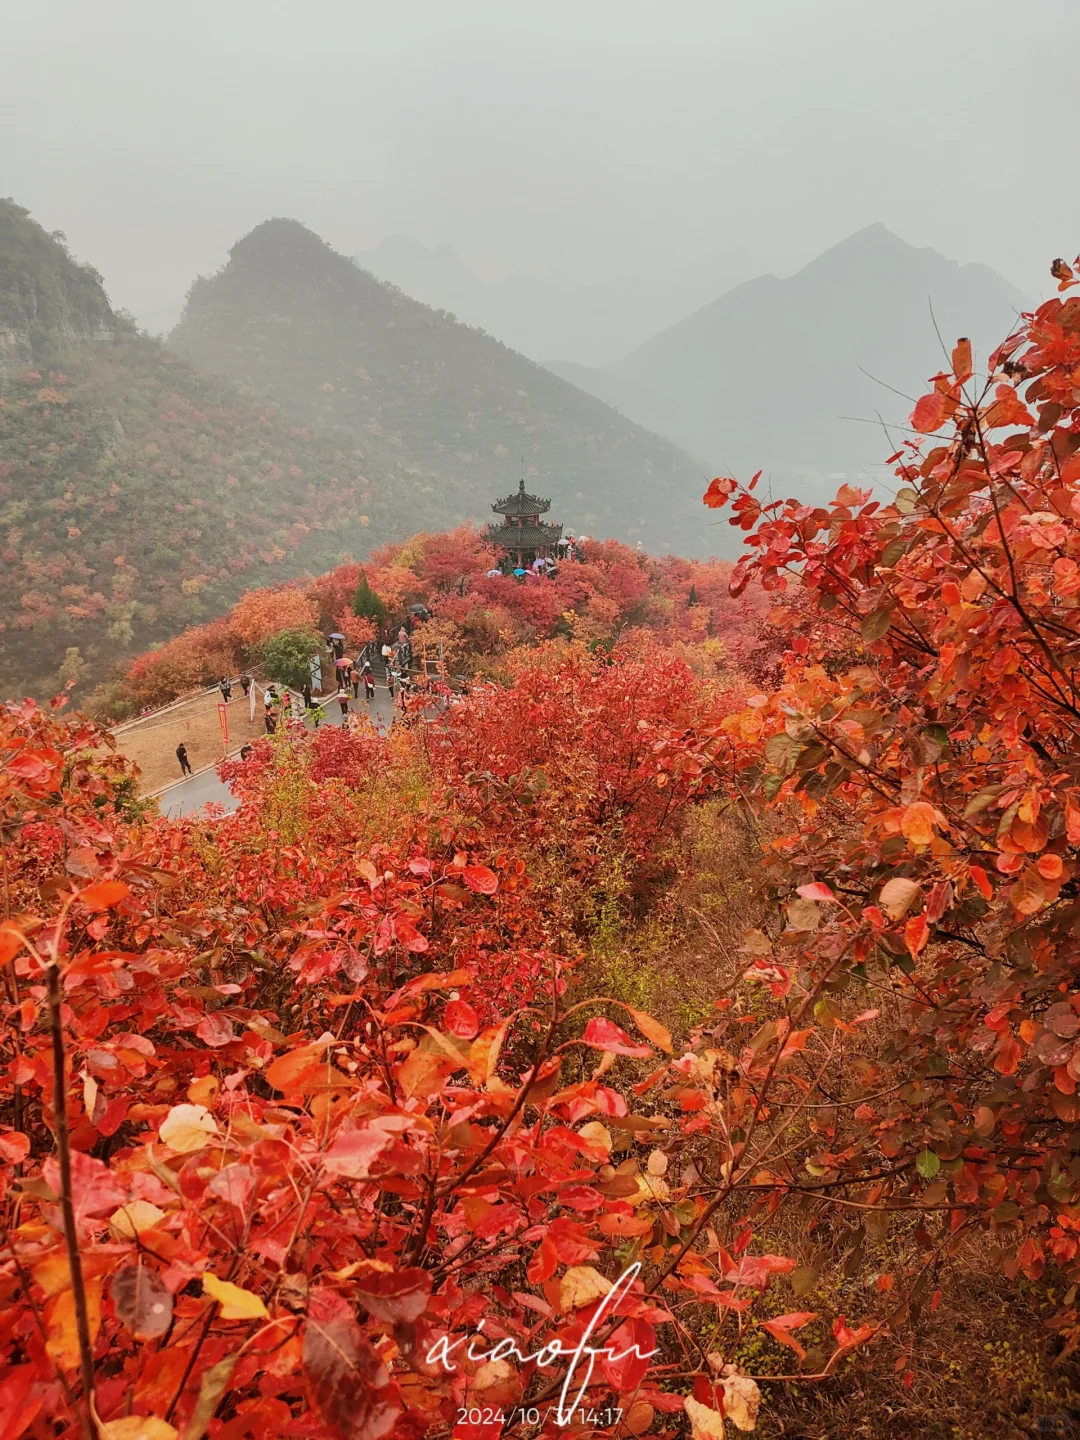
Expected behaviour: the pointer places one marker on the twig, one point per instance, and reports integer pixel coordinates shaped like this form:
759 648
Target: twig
63 1145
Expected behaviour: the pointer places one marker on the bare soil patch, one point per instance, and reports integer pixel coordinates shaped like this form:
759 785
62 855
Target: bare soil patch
152 742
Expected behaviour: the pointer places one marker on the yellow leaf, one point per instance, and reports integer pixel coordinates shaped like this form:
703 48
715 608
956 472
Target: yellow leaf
897 896
133 1218
657 1163
598 1136
741 1400
581 1285
90 1093
705 1423
236 1304
136 1427
187 1128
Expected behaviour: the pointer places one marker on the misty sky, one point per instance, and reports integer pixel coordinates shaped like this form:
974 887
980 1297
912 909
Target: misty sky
569 138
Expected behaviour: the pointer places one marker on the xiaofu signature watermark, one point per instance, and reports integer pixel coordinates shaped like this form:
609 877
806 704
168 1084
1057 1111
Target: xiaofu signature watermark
580 1362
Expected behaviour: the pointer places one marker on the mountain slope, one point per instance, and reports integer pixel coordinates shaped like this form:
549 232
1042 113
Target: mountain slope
590 324
47 299
458 411
137 497
763 376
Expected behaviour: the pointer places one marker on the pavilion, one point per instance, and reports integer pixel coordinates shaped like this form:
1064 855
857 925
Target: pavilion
522 535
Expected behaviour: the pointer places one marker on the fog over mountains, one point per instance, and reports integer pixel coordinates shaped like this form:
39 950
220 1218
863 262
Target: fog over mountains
454 416
589 324
772 373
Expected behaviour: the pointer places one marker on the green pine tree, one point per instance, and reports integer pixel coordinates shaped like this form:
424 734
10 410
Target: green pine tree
367 604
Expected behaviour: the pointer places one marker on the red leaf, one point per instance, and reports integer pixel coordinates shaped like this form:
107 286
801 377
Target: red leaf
544 1262
215 1030
406 933
480 879
18 1408
816 891
929 414
349 1383
392 1295
461 1019
606 1035
716 496
94 1188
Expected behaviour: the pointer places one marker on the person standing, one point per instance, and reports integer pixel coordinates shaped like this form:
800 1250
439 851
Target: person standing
270 721
369 681
354 676
343 701
182 756
306 692
390 681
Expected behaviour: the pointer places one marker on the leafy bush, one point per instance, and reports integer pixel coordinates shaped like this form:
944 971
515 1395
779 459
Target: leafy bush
286 656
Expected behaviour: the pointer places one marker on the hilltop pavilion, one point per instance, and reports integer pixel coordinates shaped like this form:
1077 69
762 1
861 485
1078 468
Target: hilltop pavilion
521 535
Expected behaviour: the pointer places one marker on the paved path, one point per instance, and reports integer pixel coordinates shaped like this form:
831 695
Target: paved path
191 795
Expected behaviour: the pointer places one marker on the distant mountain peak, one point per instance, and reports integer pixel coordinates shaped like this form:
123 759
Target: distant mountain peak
279 236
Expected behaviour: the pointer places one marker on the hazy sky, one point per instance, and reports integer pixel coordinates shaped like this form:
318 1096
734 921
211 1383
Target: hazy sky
571 138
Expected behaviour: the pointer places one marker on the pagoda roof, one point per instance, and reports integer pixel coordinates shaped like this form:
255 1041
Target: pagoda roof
524 537
521 503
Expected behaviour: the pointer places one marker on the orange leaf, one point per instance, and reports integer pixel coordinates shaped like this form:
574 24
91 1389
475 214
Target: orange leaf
104 894
916 933
659 1034
961 360
917 823
1008 1057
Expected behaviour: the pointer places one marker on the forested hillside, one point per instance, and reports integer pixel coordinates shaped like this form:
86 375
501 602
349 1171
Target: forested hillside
456 409
138 497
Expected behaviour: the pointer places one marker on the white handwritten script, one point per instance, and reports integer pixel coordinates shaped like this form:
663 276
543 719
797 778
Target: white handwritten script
583 1353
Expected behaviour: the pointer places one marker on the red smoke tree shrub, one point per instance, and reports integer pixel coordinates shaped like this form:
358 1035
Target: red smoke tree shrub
921 754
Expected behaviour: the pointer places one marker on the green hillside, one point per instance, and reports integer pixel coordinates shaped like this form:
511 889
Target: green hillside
456 409
138 497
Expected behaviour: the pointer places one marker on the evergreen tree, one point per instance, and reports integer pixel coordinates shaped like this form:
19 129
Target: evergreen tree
692 597
367 604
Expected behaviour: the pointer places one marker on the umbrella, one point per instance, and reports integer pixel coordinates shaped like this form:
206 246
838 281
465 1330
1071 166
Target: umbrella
494 574
336 635
518 572
343 662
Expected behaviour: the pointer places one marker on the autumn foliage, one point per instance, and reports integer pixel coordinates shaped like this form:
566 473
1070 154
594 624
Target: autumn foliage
294 1098
477 619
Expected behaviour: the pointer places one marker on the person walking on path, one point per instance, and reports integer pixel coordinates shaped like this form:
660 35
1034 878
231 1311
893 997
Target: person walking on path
225 686
318 713
306 692
182 756
354 676
343 701
369 681
245 683
270 721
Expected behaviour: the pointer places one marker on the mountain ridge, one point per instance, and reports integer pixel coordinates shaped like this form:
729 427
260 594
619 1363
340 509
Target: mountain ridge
456 411
763 376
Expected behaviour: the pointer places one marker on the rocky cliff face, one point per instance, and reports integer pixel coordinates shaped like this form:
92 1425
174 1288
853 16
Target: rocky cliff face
49 303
